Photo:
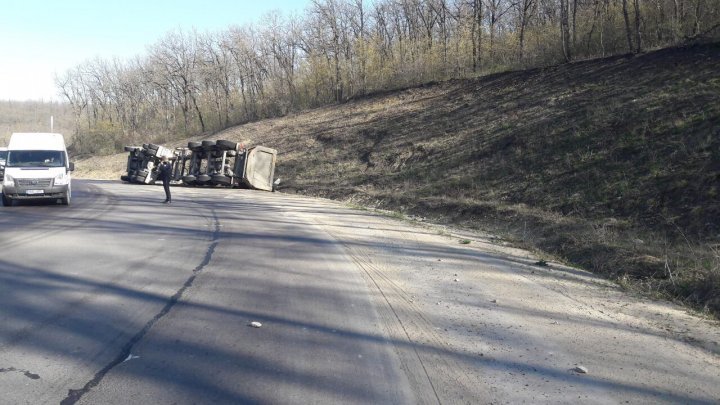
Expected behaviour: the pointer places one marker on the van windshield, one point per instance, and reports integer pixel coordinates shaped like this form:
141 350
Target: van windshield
35 158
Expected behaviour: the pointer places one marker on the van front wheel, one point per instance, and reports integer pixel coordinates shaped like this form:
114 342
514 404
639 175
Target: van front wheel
65 200
7 201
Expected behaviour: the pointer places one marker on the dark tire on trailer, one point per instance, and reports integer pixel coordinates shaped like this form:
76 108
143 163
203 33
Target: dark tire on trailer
189 180
129 149
203 179
125 178
153 146
209 146
193 145
226 145
222 179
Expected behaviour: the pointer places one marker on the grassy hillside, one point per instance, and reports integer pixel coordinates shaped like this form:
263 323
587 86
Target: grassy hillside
610 164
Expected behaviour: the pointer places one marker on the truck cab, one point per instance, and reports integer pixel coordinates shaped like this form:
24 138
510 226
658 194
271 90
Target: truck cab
37 167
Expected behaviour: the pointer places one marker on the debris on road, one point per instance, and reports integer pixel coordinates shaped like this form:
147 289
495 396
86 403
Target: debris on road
255 324
131 357
580 370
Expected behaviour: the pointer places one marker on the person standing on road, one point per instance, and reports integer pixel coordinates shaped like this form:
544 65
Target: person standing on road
164 174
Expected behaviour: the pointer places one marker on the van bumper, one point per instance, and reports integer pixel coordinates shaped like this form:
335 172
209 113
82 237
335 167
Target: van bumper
24 193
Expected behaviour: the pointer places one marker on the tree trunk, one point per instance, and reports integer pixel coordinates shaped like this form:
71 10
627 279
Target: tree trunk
565 29
628 31
638 40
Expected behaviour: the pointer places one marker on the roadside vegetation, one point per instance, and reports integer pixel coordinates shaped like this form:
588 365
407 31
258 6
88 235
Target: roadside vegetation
34 116
190 83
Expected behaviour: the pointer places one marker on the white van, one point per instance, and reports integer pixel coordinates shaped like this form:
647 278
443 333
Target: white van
37 167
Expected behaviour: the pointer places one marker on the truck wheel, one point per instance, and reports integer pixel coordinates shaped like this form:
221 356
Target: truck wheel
189 180
7 201
222 179
194 145
203 178
226 145
125 178
65 200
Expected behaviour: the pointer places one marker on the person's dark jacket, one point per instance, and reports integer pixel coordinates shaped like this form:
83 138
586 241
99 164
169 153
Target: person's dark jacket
164 171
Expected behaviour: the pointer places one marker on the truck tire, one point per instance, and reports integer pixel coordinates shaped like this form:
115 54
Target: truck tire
189 180
7 201
203 179
226 145
125 178
194 145
222 180
209 146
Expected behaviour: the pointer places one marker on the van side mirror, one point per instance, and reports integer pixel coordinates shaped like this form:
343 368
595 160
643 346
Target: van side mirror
72 166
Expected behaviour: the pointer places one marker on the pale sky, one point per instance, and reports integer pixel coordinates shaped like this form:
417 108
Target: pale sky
41 38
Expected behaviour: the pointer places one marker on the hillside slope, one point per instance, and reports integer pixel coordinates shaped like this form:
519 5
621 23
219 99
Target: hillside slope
611 164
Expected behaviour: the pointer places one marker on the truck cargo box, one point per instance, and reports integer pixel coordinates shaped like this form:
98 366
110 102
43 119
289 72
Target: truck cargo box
257 166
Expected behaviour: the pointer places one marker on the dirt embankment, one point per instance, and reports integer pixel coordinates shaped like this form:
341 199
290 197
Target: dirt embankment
611 164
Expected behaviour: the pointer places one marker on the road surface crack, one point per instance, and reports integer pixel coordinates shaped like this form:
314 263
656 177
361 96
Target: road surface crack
75 395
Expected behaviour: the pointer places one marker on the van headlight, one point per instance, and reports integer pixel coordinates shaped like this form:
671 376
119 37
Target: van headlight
61 179
8 181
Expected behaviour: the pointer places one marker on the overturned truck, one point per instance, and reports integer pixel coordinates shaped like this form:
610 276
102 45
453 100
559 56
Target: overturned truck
205 163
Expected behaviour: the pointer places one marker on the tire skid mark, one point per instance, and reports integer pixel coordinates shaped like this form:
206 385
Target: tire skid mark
405 317
75 395
393 319
374 275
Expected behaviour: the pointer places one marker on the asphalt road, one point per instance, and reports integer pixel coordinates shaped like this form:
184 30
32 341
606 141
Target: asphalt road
122 299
